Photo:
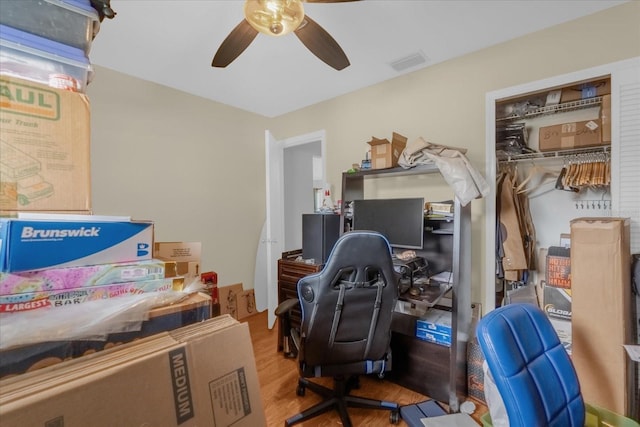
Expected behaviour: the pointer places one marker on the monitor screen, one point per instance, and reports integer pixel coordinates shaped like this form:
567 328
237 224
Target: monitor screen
401 221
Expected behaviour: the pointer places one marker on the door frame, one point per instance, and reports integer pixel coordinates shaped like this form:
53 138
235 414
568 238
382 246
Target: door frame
488 297
275 230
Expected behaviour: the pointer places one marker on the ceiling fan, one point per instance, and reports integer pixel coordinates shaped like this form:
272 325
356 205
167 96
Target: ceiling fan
277 18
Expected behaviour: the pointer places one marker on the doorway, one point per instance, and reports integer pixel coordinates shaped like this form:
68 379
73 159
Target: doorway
298 168
289 195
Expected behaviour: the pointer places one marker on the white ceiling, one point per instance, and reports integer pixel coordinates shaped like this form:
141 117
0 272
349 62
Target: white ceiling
172 42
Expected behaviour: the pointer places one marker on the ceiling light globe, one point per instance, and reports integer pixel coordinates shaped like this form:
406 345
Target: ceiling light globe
274 17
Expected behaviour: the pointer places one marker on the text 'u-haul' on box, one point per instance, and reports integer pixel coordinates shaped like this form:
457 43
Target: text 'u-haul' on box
45 143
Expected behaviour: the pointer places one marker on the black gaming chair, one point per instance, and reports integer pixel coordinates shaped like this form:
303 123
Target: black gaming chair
346 324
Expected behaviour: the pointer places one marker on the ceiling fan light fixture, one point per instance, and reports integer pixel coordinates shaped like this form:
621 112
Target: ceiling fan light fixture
274 17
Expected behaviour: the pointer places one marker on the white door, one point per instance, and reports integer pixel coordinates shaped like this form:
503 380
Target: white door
272 239
274 229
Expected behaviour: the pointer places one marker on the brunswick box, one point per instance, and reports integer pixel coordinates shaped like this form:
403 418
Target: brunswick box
45 146
27 244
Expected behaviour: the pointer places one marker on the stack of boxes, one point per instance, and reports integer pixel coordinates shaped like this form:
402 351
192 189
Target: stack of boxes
73 284
44 113
435 327
48 269
54 255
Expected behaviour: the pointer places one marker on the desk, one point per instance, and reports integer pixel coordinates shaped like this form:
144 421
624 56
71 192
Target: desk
289 272
418 365
423 366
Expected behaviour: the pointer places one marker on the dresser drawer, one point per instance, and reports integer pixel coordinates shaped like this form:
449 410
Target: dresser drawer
292 271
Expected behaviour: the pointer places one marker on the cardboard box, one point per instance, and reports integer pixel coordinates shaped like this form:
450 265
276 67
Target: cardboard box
18 360
246 304
59 279
385 154
601 317
17 214
229 299
558 268
435 326
434 337
178 251
605 118
435 320
475 359
186 255
175 378
557 302
38 244
188 269
60 299
566 136
563 330
586 90
45 145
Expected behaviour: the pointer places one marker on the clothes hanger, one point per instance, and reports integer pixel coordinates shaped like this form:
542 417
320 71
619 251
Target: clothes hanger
562 179
534 171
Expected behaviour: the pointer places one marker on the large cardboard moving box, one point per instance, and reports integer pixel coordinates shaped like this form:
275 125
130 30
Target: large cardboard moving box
200 375
44 148
601 317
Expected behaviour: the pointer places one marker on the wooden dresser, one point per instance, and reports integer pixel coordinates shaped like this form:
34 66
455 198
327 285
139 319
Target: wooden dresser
289 272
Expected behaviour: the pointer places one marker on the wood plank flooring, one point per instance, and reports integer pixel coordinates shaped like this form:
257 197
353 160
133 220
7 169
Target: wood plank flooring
278 380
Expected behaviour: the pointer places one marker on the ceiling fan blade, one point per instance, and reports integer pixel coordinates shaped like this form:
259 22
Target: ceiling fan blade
321 44
236 42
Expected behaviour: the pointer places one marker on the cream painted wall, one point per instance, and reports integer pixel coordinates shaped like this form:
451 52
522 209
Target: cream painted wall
445 102
194 167
197 168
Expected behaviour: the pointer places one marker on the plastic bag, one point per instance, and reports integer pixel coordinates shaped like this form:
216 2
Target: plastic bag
494 401
92 320
466 182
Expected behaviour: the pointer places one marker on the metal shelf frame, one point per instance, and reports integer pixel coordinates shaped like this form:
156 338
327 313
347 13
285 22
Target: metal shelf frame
596 101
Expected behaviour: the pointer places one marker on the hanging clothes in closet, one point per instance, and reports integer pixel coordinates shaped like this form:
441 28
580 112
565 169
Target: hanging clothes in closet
515 233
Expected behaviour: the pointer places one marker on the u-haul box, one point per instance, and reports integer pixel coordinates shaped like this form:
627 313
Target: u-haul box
45 141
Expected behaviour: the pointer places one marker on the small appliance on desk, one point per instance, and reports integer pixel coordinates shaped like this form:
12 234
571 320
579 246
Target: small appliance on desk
414 273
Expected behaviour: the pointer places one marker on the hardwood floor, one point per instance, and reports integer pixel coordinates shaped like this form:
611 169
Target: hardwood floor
278 379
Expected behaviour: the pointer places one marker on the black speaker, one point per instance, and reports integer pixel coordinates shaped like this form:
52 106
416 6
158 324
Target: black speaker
319 234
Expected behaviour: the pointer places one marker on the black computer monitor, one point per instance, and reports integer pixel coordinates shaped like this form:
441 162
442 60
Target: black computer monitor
401 221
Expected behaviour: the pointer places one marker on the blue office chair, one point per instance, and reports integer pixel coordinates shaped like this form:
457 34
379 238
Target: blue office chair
346 324
531 369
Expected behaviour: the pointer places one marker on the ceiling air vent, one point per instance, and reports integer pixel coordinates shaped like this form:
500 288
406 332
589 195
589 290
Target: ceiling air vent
409 61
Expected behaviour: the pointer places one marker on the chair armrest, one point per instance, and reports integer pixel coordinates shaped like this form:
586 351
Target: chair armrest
286 306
